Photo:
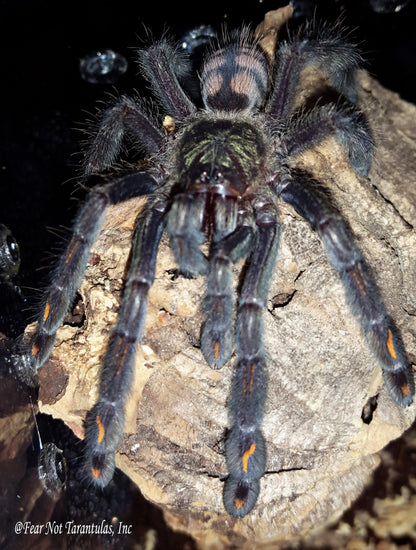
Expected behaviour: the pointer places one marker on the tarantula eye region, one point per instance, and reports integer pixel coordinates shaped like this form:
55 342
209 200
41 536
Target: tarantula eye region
205 177
217 177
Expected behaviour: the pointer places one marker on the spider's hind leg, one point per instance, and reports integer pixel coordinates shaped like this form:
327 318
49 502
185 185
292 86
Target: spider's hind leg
125 117
165 65
322 47
344 122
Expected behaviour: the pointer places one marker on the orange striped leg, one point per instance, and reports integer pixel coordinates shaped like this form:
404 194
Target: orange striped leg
245 446
105 422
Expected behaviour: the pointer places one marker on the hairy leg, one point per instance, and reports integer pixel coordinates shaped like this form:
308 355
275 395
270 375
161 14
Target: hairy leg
217 335
164 65
126 116
72 264
245 447
320 46
361 290
345 123
105 422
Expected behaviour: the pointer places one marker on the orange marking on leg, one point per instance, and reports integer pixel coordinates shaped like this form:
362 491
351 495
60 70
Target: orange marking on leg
72 249
239 503
361 275
390 345
35 350
96 472
245 382
101 429
359 282
253 368
405 389
216 349
247 455
47 311
123 356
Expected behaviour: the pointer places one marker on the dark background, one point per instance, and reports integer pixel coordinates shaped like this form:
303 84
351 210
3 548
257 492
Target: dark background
45 99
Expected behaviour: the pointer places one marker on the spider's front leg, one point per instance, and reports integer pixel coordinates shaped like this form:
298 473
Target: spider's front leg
245 447
105 422
72 264
217 335
361 290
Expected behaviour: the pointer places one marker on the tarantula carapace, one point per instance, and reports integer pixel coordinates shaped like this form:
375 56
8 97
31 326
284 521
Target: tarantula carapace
216 176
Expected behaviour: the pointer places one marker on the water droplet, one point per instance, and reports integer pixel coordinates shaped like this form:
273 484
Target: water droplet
388 6
9 254
197 37
102 67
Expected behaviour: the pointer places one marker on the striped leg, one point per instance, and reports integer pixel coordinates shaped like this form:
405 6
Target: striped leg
245 447
361 290
105 422
72 265
323 48
217 336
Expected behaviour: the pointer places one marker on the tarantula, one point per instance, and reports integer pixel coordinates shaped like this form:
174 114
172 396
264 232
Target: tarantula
216 178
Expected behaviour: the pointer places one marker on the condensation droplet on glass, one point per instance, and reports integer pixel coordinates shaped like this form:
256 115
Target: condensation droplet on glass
388 6
197 37
102 67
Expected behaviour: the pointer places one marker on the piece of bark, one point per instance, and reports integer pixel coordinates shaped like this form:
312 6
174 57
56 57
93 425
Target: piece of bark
268 30
322 376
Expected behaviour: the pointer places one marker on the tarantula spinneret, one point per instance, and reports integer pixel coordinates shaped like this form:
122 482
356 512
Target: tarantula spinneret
217 178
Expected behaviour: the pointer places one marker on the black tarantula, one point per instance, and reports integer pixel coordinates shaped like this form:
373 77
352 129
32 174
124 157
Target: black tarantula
217 177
